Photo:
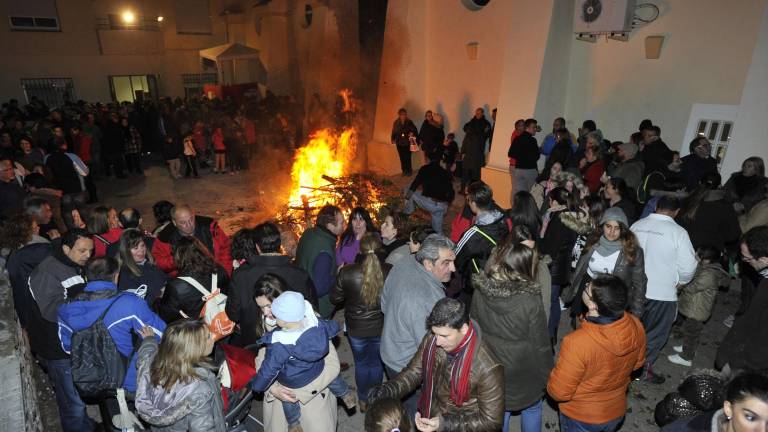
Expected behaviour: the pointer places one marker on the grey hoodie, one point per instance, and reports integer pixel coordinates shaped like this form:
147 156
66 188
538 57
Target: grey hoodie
410 292
195 406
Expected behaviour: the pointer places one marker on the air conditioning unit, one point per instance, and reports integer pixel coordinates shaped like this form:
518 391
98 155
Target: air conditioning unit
603 16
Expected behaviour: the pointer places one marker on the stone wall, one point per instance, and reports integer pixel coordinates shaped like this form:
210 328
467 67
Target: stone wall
19 409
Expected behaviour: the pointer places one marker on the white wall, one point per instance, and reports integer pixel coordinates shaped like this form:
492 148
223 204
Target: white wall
704 59
750 134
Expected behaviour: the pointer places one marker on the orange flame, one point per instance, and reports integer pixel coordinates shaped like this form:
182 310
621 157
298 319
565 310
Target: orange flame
346 95
325 154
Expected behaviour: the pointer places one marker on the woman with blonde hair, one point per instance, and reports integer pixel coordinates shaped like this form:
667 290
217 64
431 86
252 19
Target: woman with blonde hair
177 388
359 287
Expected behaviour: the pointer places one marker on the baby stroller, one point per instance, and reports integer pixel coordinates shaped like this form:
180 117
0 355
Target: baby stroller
236 368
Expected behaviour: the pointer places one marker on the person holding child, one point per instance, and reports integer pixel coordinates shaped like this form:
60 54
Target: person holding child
295 353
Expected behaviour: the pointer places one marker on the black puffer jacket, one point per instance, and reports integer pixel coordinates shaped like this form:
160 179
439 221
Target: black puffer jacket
362 320
558 241
180 296
511 315
633 275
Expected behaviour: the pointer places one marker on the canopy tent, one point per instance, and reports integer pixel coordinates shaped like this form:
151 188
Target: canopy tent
234 52
230 51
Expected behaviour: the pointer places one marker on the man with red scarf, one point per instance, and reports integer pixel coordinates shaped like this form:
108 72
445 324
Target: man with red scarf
462 381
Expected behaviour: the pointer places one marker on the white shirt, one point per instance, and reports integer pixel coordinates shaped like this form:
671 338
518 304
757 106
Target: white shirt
599 264
669 256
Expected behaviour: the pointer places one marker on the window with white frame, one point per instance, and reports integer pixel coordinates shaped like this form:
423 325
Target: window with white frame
718 132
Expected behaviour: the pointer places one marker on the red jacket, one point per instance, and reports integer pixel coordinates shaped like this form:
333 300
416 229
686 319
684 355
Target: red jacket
592 173
82 144
207 230
100 246
218 140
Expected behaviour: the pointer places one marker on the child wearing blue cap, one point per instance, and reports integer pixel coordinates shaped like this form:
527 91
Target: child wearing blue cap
295 353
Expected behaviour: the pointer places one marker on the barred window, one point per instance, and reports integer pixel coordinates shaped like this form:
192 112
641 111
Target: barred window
53 91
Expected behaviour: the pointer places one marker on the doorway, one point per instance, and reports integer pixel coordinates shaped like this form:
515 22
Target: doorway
132 88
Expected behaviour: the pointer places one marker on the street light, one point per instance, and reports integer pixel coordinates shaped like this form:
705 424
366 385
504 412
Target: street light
128 17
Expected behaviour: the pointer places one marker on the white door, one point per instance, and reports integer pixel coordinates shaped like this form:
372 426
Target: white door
715 122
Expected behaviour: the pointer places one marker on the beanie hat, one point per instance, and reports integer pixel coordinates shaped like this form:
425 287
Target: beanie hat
289 307
612 214
629 149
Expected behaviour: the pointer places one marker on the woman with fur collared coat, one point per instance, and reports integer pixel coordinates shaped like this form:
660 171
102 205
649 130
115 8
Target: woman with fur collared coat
507 306
612 250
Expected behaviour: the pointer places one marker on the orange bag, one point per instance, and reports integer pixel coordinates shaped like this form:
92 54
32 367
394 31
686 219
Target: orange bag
213 314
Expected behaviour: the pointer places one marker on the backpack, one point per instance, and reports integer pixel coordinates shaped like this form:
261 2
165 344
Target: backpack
213 314
98 368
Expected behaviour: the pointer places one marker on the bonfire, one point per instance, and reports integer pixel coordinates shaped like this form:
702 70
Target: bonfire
322 173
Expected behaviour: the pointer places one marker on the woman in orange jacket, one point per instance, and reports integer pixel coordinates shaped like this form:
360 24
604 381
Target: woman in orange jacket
591 376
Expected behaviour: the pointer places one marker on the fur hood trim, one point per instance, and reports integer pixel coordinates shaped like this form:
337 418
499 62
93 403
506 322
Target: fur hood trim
505 288
577 221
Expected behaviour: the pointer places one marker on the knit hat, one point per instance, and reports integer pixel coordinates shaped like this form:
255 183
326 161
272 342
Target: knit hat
629 149
612 214
289 307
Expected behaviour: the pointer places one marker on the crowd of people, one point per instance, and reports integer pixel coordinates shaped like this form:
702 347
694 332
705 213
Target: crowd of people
623 245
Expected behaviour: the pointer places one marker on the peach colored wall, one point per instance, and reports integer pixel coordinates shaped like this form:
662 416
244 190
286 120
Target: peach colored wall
704 59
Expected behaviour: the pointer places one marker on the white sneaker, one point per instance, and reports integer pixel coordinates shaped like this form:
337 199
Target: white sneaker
728 321
678 348
676 359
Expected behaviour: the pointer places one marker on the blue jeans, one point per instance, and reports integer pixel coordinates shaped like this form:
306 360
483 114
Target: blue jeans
71 407
369 370
568 424
292 410
554 311
530 418
436 209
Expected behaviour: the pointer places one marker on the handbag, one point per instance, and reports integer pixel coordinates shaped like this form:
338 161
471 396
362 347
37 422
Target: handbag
213 313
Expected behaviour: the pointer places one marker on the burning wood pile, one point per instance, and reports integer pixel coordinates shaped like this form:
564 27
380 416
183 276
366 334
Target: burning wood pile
322 174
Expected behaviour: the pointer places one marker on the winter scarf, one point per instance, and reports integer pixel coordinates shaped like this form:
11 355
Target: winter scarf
460 369
606 247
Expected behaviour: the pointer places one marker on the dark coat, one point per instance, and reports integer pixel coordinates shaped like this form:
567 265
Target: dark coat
401 131
63 171
362 320
563 229
744 345
473 147
633 276
11 198
715 223
151 277
431 138
745 190
695 168
181 296
20 265
525 151
511 315
113 142
656 157
475 245
241 306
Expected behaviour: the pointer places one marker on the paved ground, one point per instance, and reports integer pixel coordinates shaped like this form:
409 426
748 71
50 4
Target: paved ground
246 198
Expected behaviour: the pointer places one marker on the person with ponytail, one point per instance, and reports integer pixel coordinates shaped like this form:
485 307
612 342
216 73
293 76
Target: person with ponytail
462 382
359 287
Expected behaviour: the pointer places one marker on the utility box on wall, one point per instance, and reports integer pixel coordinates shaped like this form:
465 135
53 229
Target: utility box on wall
603 16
